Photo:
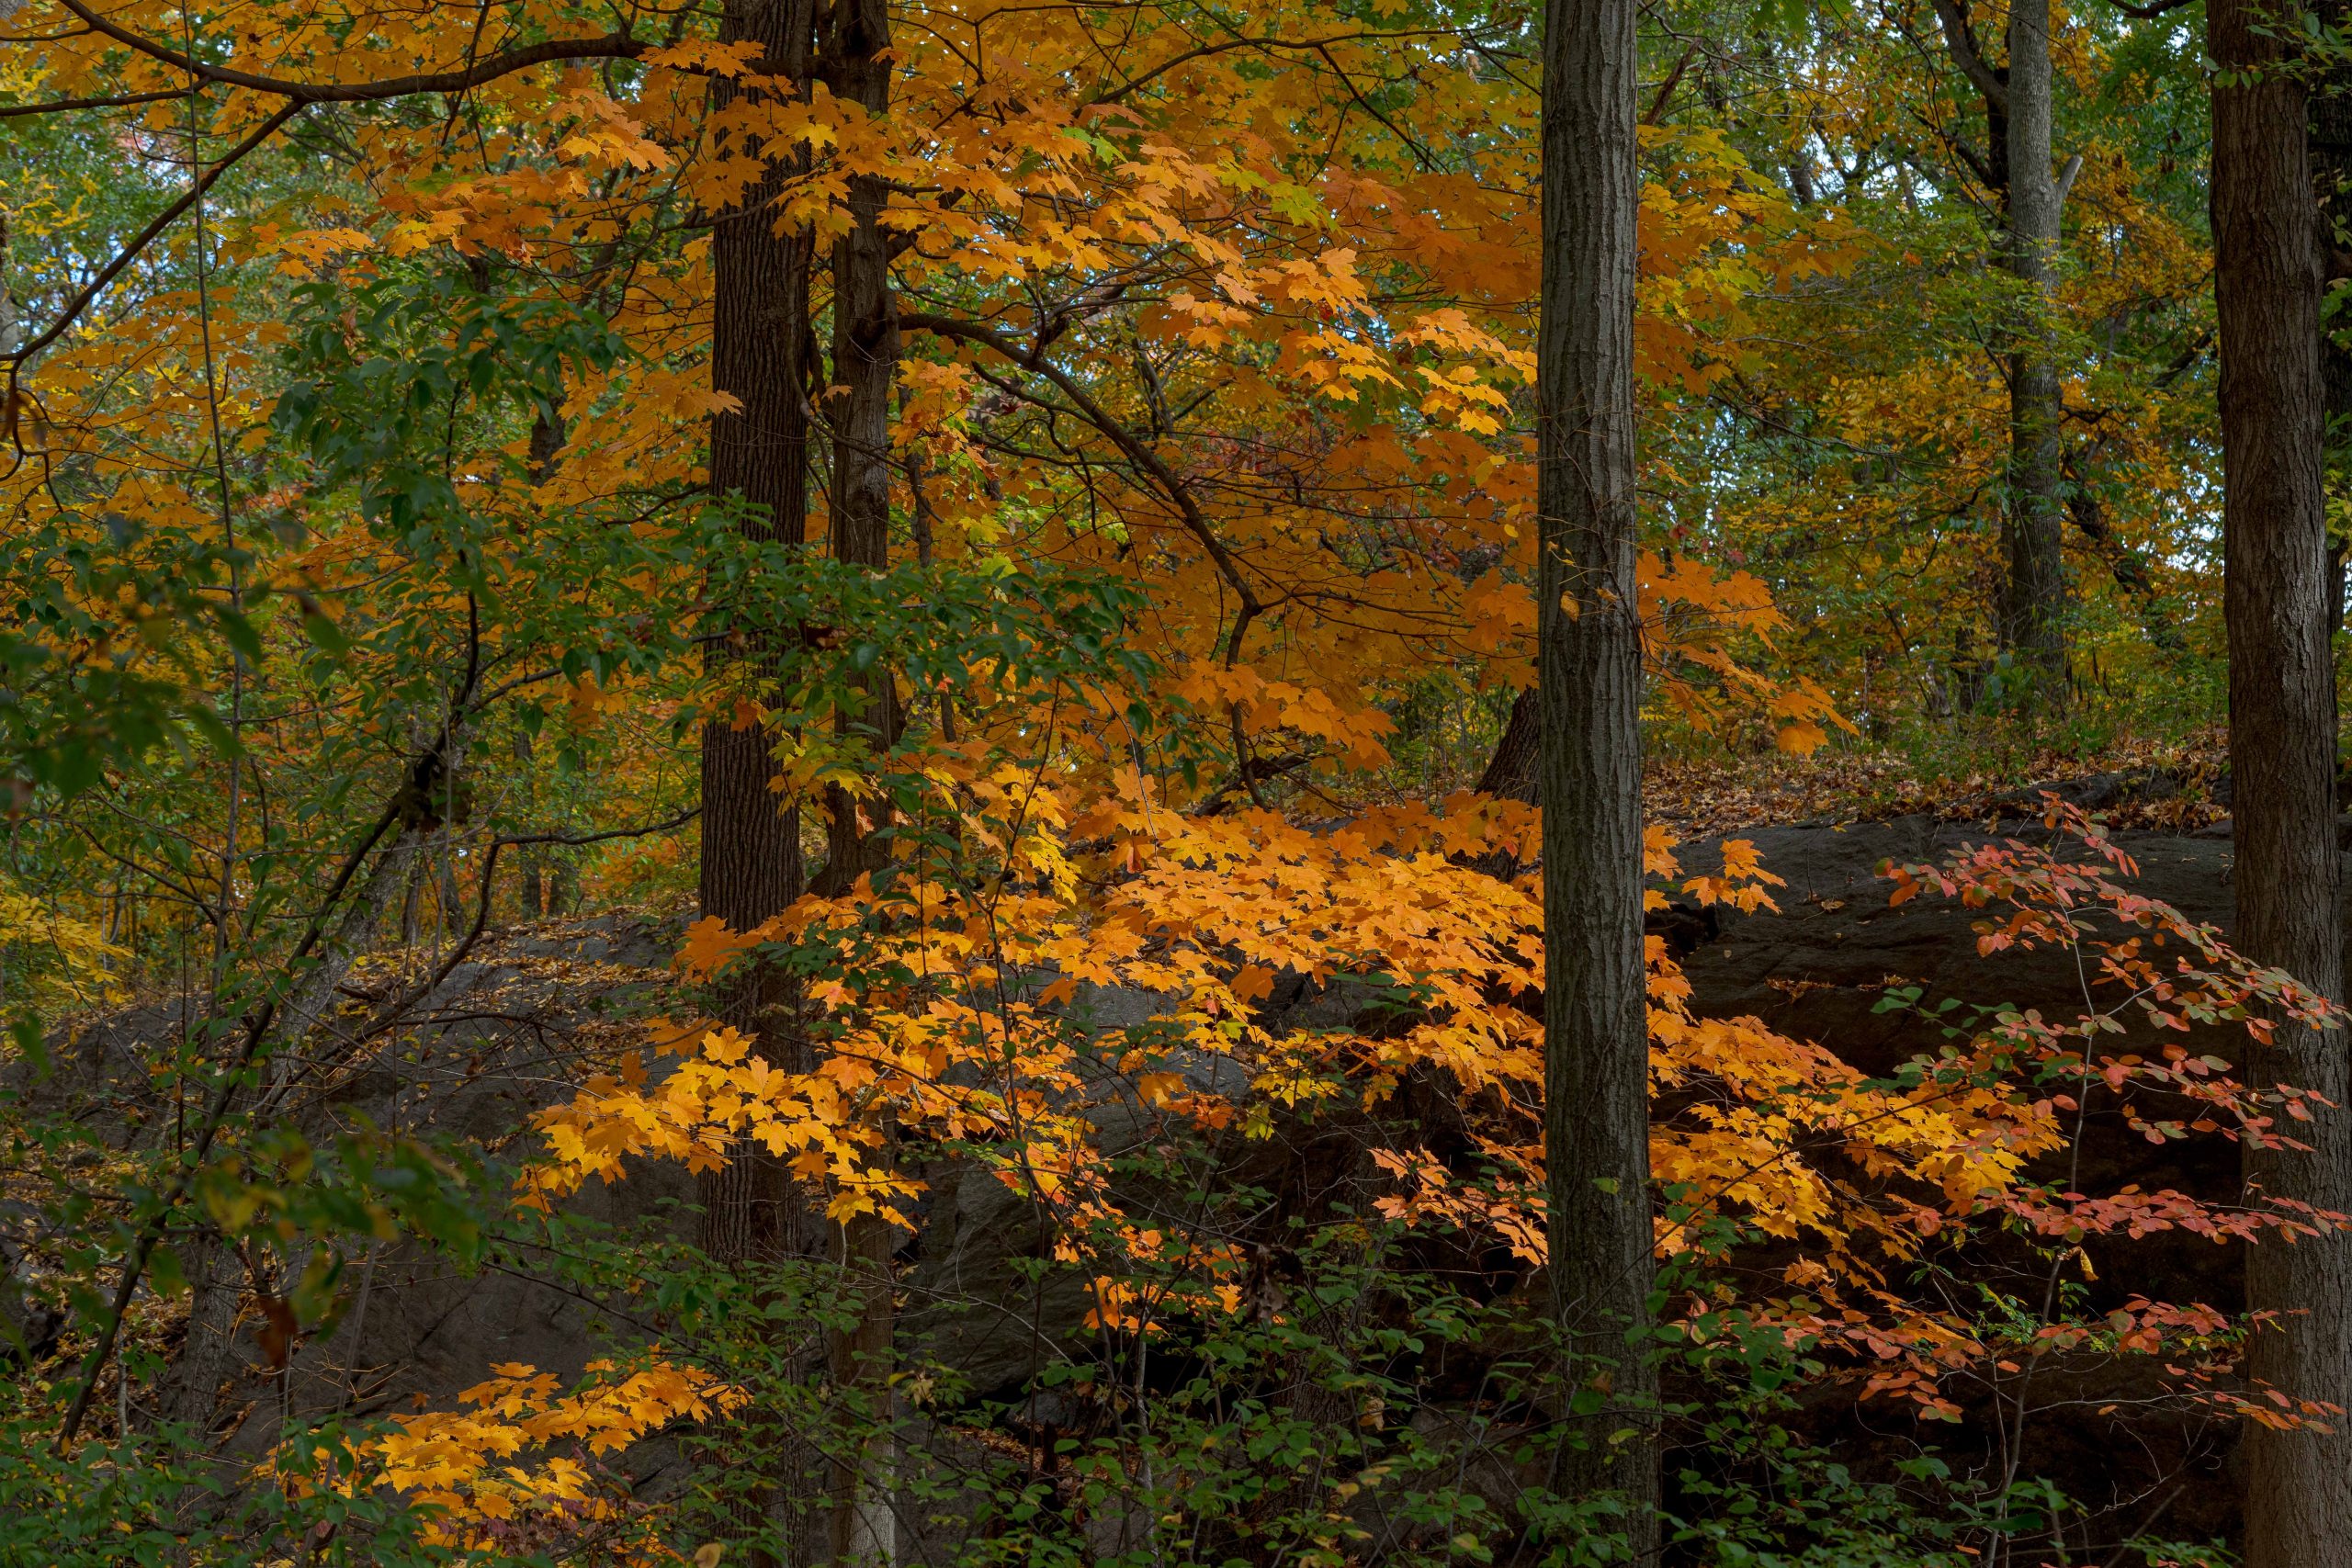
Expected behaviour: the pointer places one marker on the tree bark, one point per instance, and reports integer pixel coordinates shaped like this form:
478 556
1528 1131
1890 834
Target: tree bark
2330 155
2033 608
2282 752
866 373
2017 167
2029 614
751 867
1510 773
751 851
1596 1118
854 63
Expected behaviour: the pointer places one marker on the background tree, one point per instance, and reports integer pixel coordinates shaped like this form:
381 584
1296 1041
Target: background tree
2018 112
1164 567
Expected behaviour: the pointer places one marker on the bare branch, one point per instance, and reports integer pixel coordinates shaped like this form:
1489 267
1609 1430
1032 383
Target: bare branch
680 820
1196 521
612 46
61 105
1225 46
2066 177
1961 39
1665 89
146 236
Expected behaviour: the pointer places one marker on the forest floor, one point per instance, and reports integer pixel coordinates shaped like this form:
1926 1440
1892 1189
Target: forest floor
2176 784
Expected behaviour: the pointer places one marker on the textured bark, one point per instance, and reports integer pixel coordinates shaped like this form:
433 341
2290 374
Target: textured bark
853 61
750 865
863 1520
751 851
2282 753
1596 1120
2031 614
2331 154
865 374
1510 773
2034 606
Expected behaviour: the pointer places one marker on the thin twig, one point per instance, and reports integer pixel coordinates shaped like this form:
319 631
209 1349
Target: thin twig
146 236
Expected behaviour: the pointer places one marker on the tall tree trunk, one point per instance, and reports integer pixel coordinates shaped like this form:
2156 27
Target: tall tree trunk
533 901
751 851
865 374
2030 612
750 866
2282 751
2033 609
854 63
1596 1120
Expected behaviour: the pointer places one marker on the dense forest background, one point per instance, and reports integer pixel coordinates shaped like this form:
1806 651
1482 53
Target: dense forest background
774 782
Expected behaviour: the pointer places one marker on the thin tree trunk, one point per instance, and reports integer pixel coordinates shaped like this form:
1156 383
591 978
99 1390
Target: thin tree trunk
1596 1122
866 373
2282 753
531 862
533 891
2033 610
750 866
854 63
2029 614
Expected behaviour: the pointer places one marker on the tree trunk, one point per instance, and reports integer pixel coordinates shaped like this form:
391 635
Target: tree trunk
534 893
751 851
854 63
750 866
1510 773
2033 608
2331 154
866 373
751 847
2282 753
531 861
1596 1120
2029 615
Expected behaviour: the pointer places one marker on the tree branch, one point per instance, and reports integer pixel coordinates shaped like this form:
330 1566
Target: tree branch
1961 39
60 106
424 767
1224 45
1657 110
680 820
146 236
1196 521
256 1025
612 46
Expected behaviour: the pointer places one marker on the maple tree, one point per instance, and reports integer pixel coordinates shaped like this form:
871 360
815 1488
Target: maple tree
1019 526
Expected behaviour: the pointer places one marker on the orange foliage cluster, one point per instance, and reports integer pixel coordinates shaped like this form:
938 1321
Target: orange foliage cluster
1306 348
1344 325
981 1040
517 1469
